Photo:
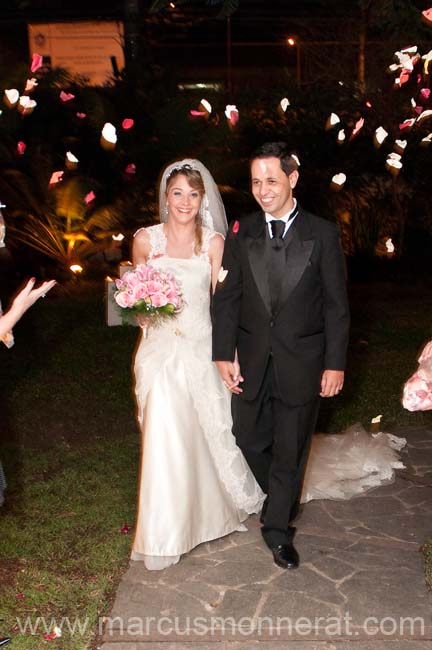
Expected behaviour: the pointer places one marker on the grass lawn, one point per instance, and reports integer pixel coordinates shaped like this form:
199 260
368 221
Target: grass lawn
70 446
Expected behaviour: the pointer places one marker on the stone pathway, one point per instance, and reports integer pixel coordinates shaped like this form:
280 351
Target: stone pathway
360 584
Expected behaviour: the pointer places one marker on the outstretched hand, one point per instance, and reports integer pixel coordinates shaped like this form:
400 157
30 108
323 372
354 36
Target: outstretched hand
28 296
426 352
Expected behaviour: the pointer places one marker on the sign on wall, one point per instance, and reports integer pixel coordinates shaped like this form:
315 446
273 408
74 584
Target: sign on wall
90 49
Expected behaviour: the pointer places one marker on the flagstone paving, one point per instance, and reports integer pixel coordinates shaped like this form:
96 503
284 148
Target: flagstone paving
360 584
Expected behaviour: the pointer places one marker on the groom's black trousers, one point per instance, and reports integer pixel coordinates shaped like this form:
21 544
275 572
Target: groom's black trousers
275 440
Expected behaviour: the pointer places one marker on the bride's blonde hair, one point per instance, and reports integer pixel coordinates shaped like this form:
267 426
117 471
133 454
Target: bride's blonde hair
196 182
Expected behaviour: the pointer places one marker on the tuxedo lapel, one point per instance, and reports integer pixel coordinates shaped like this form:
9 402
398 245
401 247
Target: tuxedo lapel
299 249
256 248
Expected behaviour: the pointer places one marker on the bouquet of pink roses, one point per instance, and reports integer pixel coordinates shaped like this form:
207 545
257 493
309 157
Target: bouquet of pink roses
417 392
149 293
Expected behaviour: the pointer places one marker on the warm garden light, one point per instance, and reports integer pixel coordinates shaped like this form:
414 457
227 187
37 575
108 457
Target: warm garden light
76 268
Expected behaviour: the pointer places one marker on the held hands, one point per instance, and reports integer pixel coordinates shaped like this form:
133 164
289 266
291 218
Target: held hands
331 383
230 373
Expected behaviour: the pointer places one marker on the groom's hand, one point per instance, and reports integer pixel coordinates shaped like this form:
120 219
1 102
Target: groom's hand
231 376
331 383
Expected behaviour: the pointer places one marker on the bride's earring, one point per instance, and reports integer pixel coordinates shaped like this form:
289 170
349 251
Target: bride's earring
166 209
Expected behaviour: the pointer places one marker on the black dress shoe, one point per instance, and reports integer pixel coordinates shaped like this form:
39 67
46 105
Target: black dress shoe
286 556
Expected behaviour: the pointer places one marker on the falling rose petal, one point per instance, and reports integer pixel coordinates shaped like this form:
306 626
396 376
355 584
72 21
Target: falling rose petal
376 420
427 59
236 227
407 124
20 596
358 126
427 16
71 158
332 120
284 103
127 123
56 177
424 114
411 49
380 135
394 156
419 79
207 106
66 97
425 93
89 197
369 104
81 116
36 62
124 530
12 96
118 237
413 102
232 114
296 159
405 75
425 142
401 144
394 165
339 179
196 113
389 245
21 147
109 133
418 110
130 169
341 137
30 85
222 274
26 104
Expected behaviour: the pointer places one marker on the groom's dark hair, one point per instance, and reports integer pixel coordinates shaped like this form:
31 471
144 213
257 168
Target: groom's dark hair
277 150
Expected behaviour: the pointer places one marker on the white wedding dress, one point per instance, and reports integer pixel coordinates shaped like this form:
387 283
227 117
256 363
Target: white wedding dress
194 483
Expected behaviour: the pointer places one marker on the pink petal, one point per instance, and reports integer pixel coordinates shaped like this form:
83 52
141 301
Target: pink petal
127 123
20 596
36 62
425 93
89 197
427 16
406 124
81 116
195 113
56 177
21 147
236 227
66 97
130 169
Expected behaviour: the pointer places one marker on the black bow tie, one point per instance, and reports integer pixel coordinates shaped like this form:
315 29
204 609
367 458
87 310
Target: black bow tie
277 227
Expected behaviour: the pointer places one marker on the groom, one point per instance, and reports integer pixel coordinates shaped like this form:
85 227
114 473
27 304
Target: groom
280 333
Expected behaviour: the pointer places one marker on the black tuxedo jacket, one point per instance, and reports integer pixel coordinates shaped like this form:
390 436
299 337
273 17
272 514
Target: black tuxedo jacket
308 331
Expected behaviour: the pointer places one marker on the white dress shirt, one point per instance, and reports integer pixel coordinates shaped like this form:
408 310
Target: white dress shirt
288 218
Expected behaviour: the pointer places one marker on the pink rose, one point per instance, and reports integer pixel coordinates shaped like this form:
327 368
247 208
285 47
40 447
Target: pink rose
124 299
159 300
140 292
153 286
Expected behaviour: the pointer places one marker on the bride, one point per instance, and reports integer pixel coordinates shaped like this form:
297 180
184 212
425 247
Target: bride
194 484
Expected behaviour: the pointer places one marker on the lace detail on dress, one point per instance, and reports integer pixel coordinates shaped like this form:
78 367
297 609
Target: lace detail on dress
157 240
